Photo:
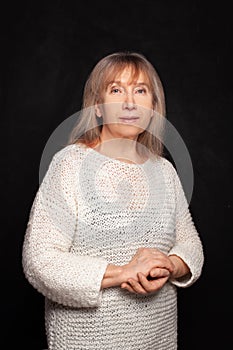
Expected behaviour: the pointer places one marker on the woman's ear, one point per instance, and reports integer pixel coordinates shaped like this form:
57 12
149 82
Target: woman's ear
153 109
98 111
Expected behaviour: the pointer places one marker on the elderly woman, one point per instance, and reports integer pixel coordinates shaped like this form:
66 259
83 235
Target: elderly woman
110 236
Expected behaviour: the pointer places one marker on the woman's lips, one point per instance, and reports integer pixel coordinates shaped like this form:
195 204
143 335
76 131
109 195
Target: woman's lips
128 120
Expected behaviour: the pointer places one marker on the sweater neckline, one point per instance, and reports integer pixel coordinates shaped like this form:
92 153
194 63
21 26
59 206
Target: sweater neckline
114 160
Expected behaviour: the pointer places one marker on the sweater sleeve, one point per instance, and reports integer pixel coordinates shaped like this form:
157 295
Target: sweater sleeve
48 262
188 244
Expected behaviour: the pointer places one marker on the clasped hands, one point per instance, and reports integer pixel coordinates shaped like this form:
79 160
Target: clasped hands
147 271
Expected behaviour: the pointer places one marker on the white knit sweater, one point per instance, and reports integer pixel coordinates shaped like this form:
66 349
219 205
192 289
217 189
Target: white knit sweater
92 210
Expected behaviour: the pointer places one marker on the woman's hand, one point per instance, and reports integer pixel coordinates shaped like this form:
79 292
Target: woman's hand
157 277
146 284
147 271
148 261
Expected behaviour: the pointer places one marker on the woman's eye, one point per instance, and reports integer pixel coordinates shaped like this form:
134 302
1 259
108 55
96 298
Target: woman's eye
115 90
141 91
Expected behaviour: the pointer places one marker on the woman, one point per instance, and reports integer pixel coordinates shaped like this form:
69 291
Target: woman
110 236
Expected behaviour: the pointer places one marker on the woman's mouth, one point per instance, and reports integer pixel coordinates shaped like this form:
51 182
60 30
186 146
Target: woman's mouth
129 120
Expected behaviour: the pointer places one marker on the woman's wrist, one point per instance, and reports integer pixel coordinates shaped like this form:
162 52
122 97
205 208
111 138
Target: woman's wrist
180 267
113 276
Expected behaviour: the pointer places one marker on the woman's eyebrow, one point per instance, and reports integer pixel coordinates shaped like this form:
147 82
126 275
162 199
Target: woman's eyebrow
133 83
114 82
142 83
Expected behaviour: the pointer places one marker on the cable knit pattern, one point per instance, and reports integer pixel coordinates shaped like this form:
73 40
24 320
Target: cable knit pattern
92 210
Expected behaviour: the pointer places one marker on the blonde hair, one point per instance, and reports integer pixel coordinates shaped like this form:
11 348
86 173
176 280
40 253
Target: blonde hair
88 128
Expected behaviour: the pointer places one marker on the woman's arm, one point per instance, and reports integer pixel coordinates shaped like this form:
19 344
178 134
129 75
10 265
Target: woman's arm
186 255
113 276
188 246
48 263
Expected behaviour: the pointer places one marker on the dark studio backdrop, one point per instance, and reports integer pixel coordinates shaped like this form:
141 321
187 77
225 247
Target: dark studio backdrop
47 51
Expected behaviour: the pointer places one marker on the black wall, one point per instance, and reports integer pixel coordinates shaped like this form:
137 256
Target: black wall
47 51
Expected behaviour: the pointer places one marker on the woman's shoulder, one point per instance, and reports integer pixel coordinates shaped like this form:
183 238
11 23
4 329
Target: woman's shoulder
64 163
66 159
70 152
167 165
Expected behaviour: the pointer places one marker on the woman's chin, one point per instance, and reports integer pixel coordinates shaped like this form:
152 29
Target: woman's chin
126 130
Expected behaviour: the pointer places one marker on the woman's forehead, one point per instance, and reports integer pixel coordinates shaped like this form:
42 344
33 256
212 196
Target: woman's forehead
127 74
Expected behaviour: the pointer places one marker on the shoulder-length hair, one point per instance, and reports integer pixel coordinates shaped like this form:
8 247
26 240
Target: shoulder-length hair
88 128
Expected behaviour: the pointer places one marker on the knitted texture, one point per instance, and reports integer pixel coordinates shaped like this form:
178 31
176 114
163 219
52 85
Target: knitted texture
91 210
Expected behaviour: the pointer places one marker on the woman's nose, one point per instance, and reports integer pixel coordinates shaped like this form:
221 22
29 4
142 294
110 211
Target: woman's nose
129 101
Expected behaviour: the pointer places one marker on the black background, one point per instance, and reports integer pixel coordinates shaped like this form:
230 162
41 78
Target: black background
47 51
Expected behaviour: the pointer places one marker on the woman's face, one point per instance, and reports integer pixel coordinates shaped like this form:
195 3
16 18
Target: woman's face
127 106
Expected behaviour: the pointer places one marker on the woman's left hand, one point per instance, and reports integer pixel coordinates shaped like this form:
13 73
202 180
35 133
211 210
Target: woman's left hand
158 278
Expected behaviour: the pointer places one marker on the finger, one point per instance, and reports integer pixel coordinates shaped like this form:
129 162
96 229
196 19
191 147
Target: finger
128 287
153 285
159 272
137 286
163 258
149 286
163 263
160 282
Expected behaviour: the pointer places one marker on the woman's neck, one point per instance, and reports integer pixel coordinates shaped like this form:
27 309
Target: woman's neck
120 148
